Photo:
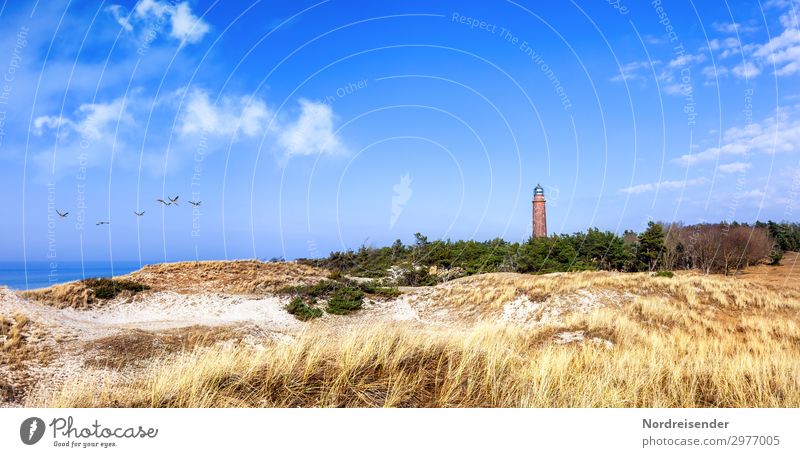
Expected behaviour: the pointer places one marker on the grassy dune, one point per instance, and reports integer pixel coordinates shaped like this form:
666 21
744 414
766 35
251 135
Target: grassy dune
687 341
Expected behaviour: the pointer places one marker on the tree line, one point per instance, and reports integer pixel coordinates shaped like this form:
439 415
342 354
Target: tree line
712 248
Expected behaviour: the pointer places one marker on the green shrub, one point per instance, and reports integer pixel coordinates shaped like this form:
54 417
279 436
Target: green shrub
106 288
345 300
664 274
299 309
416 277
775 256
373 288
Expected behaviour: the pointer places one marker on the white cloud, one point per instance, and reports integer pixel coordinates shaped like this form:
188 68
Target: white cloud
780 55
733 27
780 133
146 8
120 15
714 72
729 47
779 3
50 123
87 137
668 75
751 194
687 59
655 40
187 27
94 130
746 70
734 167
640 70
149 17
231 115
781 52
668 185
93 120
311 133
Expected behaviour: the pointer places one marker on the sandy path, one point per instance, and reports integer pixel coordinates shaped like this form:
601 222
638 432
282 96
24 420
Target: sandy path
156 311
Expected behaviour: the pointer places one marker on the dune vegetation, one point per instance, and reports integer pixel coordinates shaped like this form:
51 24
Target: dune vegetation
691 340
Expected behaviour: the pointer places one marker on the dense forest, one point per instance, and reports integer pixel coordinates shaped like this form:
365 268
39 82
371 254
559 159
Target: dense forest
712 248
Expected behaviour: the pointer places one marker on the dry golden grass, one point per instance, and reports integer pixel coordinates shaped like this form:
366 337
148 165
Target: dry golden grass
136 347
19 348
484 295
242 276
68 295
12 337
688 341
787 274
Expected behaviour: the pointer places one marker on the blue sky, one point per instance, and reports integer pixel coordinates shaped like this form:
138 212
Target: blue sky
305 127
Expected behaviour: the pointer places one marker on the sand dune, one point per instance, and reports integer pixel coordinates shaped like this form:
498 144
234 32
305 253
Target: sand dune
52 338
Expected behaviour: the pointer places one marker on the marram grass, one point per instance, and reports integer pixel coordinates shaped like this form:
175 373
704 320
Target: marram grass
687 341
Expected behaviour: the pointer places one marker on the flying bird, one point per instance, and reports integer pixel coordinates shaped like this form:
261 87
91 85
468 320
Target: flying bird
197 203
102 223
64 214
174 200
139 213
165 203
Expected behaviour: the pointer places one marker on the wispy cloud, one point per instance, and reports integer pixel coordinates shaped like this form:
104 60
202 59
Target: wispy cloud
665 185
746 70
782 52
734 167
733 27
639 70
667 74
687 59
779 133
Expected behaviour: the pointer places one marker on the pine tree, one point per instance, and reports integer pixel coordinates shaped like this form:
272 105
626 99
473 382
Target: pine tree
650 247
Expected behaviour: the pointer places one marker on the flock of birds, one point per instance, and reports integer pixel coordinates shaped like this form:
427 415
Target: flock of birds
169 202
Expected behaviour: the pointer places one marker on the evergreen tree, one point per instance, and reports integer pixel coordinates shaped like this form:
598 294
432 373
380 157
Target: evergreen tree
650 247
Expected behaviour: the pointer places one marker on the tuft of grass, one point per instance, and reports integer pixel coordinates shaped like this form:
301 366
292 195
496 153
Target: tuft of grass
12 335
86 293
663 274
299 309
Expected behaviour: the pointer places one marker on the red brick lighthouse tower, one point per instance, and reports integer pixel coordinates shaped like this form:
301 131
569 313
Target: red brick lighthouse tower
539 213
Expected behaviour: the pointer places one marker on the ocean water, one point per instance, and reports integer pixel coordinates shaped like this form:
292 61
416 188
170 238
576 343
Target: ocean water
33 275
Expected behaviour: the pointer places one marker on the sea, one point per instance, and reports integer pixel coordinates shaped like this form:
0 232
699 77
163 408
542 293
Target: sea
35 275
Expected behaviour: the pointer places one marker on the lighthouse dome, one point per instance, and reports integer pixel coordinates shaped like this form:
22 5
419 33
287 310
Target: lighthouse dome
538 190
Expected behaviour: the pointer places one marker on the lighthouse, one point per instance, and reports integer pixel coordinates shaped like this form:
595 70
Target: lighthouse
539 213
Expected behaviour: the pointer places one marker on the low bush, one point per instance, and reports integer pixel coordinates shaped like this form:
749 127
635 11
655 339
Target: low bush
416 277
373 288
664 274
299 309
345 300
